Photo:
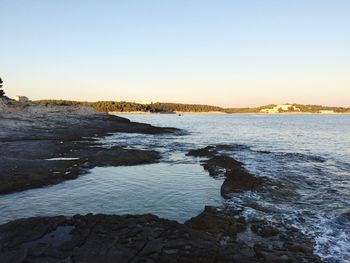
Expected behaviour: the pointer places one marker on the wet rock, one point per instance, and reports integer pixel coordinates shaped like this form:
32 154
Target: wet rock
264 229
345 217
218 149
220 164
239 252
296 247
204 152
218 221
239 181
237 178
37 170
144 238
152 247
277 254
14 256
212 236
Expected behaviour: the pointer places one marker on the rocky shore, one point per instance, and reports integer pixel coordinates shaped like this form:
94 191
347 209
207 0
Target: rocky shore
42 145
46 145
236 178
216 235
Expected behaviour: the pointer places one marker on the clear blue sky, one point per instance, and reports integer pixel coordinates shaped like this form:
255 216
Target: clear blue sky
228 53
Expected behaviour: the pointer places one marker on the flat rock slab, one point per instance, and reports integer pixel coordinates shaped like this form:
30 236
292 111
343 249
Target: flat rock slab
31 136
45 162
209 237
67 123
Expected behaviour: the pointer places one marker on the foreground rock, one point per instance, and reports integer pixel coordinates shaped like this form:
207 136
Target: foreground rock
31 135
213 236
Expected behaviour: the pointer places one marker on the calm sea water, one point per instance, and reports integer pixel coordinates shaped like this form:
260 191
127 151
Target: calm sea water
308 154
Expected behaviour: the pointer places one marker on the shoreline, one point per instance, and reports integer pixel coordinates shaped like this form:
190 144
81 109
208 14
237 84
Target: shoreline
219 113
59 144
161 113
36 138
210 237
215 235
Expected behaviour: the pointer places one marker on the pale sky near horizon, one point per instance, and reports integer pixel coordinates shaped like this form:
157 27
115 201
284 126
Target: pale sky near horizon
226 53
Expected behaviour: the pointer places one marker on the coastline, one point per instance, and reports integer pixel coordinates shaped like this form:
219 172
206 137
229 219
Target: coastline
49 144
121 107
204 113
215 235
219 112
60 144
175 112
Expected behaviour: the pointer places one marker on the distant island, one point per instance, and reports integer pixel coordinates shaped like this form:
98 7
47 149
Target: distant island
159 107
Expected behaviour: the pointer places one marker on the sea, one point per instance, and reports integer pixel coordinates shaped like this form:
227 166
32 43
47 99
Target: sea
307 154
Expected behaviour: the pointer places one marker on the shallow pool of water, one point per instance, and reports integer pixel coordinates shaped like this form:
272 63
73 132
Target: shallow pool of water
176 192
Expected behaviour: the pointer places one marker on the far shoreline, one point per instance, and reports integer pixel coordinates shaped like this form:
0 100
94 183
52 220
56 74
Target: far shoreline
167 113
219 113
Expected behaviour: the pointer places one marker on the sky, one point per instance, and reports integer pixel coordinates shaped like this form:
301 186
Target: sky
226 53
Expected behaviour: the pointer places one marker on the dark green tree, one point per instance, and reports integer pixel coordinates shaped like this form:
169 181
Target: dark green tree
2 93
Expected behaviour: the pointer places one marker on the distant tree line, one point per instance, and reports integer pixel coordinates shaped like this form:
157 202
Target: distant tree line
122 106
241 110
170 107
317 108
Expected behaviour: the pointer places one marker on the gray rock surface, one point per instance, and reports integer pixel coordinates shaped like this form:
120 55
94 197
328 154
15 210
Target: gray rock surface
31 135
236 177
209 237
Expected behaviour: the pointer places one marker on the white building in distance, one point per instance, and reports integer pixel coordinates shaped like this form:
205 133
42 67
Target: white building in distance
280 108
144 102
